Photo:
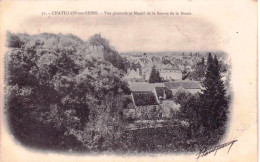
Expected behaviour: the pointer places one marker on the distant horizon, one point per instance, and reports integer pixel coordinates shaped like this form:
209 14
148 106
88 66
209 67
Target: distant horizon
179 51
174 52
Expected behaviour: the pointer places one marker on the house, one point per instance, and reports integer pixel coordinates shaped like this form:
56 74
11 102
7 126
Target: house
146 74
162 93
164 97
183 86
135 87
146 105
151 101
171 74
134 76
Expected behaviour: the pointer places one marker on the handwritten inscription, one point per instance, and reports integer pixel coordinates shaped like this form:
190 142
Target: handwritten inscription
206 151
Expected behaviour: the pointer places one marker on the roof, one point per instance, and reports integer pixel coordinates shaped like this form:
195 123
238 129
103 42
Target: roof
171 69
139 80
144 86
171 72
185 84
160 92
144 98
132 74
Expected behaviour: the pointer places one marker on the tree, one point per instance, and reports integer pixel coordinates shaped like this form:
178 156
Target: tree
214 101
199 71
155 76
190 111
206 113
203 61
221 103
13 41
159 78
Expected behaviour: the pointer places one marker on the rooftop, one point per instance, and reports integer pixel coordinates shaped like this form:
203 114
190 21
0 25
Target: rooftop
185 84
144 98
144 86
171 69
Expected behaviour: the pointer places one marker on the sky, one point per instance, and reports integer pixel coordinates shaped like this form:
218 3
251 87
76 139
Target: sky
131 33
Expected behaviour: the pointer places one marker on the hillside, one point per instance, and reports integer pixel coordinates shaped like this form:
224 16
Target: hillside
58 87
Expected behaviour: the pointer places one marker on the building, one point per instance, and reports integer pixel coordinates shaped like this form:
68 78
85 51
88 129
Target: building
134 76
146 105
146 74
183 86
136 87
151 101
171 74
165 98
162 93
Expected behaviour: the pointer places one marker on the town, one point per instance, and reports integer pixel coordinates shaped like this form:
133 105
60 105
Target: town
178 72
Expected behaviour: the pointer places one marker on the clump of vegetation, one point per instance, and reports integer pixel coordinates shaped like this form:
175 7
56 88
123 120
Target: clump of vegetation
58 96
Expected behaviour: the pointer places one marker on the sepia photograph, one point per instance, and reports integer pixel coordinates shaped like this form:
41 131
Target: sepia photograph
81 83
67 94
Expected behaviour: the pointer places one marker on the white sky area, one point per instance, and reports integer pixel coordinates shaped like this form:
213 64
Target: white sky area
131 33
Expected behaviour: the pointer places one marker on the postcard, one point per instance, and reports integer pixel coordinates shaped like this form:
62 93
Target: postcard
142 80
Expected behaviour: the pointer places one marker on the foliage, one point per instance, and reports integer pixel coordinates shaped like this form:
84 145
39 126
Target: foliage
13 41
207 112
155 76
56 89
214 96
198 73
104 129
182 98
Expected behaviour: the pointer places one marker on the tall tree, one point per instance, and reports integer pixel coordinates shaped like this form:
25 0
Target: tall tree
155 76
221 104
208 93
214 102
158 76
206 113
